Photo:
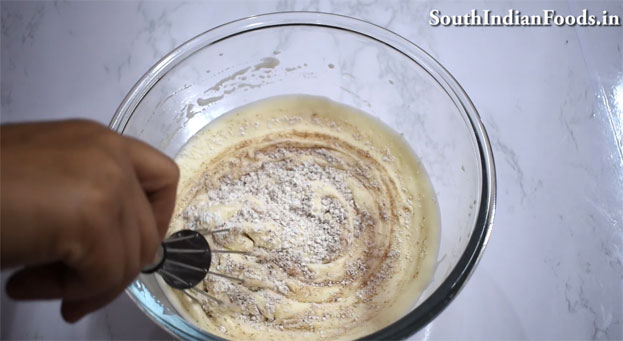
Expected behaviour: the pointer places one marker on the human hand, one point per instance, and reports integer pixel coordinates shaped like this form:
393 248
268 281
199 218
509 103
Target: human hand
83 209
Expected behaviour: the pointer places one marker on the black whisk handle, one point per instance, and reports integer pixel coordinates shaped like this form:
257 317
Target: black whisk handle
183 259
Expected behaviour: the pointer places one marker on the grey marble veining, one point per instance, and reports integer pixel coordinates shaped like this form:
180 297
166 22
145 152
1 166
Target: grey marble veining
550 98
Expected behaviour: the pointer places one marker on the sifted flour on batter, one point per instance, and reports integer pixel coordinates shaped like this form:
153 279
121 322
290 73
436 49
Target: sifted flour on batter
336 211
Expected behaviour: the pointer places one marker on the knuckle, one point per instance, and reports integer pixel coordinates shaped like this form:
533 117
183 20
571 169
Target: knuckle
176 172
99 198
107 140
112 171
172 170
82 123
96 213
108 186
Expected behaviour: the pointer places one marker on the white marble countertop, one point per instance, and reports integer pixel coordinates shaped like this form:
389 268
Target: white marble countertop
551 99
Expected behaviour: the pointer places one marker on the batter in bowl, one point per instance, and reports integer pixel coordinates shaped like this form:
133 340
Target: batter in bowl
336 212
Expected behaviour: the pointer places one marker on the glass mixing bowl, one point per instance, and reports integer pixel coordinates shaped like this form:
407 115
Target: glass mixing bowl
349 61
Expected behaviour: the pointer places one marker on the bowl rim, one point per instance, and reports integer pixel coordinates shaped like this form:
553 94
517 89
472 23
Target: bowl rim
455 280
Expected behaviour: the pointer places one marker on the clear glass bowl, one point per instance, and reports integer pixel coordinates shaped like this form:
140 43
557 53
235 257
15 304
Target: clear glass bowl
349 61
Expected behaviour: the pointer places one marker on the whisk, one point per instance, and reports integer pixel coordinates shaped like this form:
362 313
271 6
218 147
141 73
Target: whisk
184 258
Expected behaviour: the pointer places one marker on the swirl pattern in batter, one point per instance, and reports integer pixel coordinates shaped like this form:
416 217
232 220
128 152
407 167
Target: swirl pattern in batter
335 210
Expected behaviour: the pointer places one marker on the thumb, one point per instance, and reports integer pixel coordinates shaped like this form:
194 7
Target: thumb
38 282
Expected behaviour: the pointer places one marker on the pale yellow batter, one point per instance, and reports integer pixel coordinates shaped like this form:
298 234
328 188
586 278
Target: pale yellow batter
337 213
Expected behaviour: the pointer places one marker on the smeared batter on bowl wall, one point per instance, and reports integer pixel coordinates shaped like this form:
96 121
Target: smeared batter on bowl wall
336 211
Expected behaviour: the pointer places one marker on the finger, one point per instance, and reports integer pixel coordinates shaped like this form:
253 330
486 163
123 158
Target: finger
158 176
72 311
148 234
110 264
103 267
162 204
130 235
38 282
